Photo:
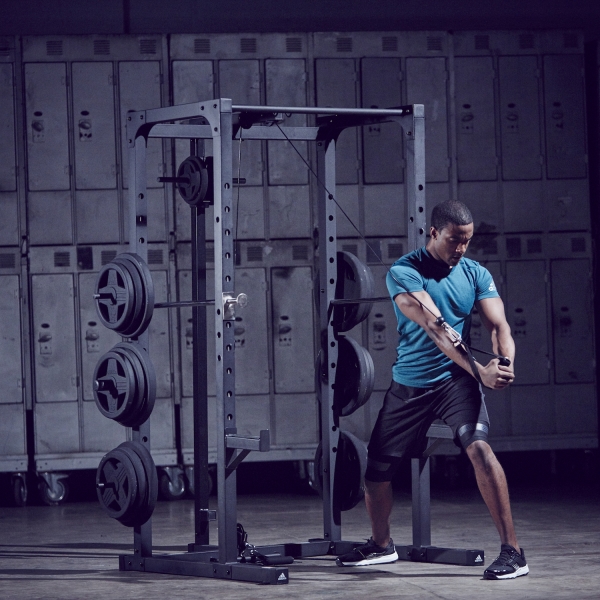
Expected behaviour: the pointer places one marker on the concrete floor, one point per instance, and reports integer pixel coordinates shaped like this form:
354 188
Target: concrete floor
70 551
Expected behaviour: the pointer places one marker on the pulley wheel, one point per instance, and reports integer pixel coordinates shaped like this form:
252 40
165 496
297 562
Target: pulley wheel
194 180
115 296
354 376
354 281
350 468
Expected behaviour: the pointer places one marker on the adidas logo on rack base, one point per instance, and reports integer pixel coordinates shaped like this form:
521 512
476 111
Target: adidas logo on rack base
282 577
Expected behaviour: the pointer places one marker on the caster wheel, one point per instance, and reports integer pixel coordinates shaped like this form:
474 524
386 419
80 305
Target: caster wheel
55 495
19 491
172 488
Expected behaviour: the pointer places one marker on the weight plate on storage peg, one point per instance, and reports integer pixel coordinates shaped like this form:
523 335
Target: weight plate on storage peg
115 389
354 376
114 296
147 506
354 281
117 485
193 180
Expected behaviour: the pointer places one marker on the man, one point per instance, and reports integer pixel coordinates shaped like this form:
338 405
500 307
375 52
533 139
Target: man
435 378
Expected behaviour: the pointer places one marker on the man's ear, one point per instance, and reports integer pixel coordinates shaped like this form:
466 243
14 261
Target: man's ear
433 232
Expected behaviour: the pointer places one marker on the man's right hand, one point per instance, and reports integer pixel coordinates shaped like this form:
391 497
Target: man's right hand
495 376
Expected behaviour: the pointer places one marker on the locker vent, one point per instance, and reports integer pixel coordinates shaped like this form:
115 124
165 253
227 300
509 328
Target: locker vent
482 42
571 40
352 248
526 41
106 256
254 254
4 47
300 252
248 45
578 244
101 47
534 246
293 44
373 251
202 46
389 43
210 254
7 261
62 259
147 46
513 247
434 43
395 251
155 256
344 44
54 48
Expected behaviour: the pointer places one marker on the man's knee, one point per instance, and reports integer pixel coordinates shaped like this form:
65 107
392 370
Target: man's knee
481 453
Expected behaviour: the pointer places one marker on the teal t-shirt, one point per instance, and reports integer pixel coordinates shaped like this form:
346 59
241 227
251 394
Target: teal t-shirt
420 363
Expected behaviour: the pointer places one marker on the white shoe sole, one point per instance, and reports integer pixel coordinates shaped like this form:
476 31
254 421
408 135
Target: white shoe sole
520 571
379 560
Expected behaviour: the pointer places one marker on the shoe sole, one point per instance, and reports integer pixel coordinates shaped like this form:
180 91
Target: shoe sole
518 573
379 560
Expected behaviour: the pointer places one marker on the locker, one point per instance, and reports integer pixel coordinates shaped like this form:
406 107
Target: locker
296 420
162 427
100 434
520 118
157 216
56 428
497 403
8 172
567 205
139 89
523 206
94 126
289 212
426 81
526 312
11 373
347 198
572 321
240 81
54 338
576 409
50 218
564 116
252 413
293 331
482 198
475 128
97 216
336 87
286 86
480 337
9 219
382 143
532 410
12 434
47 126
434 194
385 210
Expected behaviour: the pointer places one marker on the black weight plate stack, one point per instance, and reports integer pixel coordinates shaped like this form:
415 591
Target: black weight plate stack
354 281
144 290
117 485
115 296
148 492
195 171
350 468
354 376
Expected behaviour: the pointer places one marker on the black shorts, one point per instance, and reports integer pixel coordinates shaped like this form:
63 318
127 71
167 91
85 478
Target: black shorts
407 413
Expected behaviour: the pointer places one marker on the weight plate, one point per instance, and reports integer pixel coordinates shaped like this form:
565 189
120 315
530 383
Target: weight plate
117 484
194 169
151 477
132 517
350 467
114 296
114 386
354 376
148 290
132 419
354 281
137 315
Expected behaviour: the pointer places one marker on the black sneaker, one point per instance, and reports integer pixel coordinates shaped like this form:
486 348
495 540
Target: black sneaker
508 565
368 554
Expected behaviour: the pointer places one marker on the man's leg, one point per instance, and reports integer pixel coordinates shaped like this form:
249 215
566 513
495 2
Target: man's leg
492 485
379 500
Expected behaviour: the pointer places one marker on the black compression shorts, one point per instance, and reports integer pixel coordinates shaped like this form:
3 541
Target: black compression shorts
407 413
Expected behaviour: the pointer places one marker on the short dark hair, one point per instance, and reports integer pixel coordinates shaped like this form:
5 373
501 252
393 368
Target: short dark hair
450 212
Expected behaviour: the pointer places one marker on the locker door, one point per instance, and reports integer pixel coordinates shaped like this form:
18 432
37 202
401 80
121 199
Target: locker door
293 344
286 86
139 89
382 143
160 352
10 341
475 130
572 322
47 126
564 116
520 117
8 180
54 337
426 80
527 316
336 87
240 81
480 337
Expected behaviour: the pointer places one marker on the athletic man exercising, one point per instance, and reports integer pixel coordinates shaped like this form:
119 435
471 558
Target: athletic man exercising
435 377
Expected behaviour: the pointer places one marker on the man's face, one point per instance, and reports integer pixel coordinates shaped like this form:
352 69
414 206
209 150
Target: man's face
450 243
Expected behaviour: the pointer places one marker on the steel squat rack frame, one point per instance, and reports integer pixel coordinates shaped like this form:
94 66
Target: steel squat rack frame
226 123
